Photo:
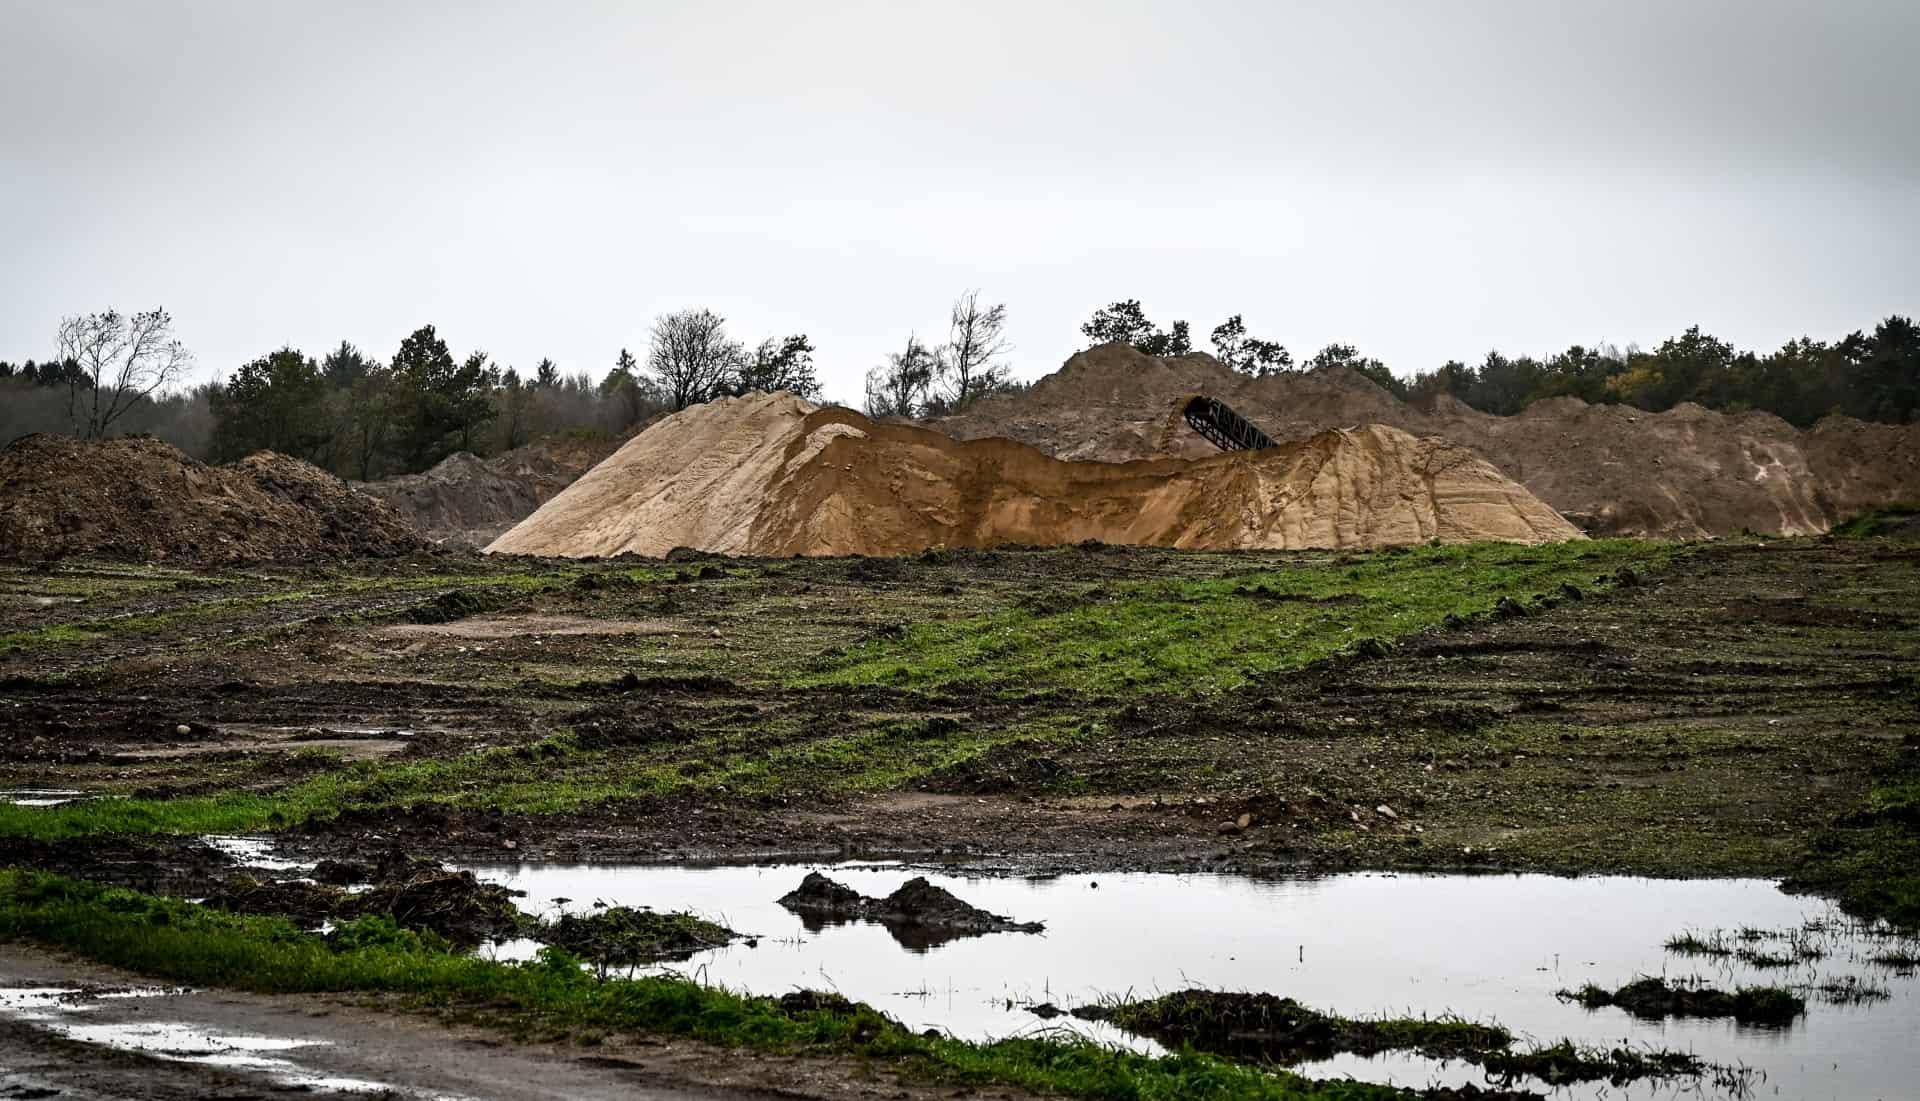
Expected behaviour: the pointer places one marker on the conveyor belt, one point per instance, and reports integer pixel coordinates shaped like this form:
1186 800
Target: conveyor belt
1228 430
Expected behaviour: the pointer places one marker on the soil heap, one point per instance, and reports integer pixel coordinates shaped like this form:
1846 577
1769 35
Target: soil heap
134 497
770 474
1687 473
466 502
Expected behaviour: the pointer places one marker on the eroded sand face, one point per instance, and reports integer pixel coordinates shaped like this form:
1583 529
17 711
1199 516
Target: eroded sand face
770 474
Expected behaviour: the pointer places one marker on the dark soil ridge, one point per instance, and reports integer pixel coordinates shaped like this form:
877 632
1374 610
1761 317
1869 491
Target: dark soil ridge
137 498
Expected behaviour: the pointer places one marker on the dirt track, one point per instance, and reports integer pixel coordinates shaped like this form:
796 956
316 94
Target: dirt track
353 1040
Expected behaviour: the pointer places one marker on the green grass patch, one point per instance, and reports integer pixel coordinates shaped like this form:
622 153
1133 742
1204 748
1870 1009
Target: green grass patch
1896 519
1869 861
148 623
482 591
555 997
1212 635
566 771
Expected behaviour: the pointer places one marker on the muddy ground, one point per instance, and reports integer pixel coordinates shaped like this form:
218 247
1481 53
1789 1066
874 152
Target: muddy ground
1706 715
1712 709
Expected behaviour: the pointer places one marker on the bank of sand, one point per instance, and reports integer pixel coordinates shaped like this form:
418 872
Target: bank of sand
770 474
1687 473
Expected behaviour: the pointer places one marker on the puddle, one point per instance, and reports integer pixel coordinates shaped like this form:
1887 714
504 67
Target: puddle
42 797
1487 948
254 852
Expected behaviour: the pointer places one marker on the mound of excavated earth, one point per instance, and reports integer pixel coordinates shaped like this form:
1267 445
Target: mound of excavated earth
917 902
770 474
1687 473
137 498
467 502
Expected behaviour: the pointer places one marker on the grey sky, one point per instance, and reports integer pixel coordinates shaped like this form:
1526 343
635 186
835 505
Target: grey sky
1426 180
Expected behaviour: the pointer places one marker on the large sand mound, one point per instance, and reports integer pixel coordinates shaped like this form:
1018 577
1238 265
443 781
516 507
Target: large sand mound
1687 473
138 498
770 474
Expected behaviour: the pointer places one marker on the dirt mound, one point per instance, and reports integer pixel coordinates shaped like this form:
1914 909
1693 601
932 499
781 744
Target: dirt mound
467 502
769 474
919 914
1616 470
137 498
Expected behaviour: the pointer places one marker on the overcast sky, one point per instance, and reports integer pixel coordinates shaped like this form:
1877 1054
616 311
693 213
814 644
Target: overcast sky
1426 180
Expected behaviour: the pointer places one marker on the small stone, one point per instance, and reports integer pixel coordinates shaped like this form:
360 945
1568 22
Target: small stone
1385 811
1244 821
183 730
509 845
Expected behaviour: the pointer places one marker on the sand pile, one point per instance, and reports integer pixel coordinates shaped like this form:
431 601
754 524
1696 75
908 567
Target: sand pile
467 502
770 474
1686 473
138 498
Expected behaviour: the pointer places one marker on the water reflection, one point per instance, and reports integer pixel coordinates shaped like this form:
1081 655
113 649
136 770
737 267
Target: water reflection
1488 948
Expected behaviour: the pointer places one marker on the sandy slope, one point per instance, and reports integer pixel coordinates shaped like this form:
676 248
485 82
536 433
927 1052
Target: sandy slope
771 474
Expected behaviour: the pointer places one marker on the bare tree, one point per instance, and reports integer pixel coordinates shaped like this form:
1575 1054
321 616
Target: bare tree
122 360
970 362
898 387
691 356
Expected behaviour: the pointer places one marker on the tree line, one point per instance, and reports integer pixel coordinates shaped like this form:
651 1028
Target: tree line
1874 375
364 417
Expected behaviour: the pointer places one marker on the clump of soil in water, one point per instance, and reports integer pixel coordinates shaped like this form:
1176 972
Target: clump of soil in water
1686 473
1652 999
919 914
1563 1063
417 894
800 479
422 894
308 904
134 497
1268 1028
342 873
623 936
